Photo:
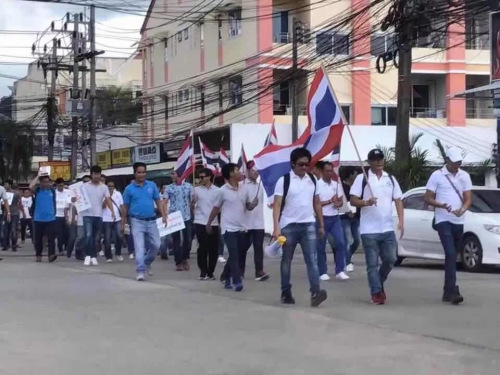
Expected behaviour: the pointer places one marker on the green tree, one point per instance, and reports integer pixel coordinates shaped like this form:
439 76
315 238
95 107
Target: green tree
16 150
416 172
116 105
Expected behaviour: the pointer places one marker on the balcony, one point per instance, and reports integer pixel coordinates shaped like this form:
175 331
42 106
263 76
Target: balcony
480 113
421 112
282 38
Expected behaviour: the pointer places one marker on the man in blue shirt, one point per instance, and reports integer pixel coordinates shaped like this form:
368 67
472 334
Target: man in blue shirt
139 200
179 195
44 216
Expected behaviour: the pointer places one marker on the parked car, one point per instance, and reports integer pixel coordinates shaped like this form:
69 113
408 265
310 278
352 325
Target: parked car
481 240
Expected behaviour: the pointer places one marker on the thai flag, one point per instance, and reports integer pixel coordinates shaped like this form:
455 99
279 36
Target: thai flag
242 161
209 159
321 137
185 162
272 137
334 158
223 158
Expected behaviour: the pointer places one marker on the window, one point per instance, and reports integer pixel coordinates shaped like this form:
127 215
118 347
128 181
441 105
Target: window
384 116
219 27
280 27
186 95
381 44
179 37
235 86
328 43
347 112
202 98
180 96
186 34
234 23
221 95
165 47
415 202
166 107
202 34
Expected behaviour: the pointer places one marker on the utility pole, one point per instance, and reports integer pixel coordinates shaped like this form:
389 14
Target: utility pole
75 95
92 122
51 103
293 86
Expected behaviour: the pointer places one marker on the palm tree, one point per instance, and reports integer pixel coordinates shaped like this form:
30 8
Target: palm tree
416 172
16 150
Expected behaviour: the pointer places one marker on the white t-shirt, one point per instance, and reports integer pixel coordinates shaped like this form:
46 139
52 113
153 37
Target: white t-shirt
377 219
117 202
299 202
232 203
255 218
27 203
63 200
97 193
205 201
439 184
326 192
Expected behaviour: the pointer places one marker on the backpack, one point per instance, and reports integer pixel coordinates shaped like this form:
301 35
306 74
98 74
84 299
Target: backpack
35 193
357 215
286 187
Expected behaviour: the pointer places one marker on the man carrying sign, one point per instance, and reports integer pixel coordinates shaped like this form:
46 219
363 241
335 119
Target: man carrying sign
139 199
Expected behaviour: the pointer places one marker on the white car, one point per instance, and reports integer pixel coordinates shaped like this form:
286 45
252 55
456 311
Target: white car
481 240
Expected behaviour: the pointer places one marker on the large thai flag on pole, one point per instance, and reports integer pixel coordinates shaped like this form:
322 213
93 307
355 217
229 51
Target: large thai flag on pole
321 137
185 162
242 161
272 137
209 158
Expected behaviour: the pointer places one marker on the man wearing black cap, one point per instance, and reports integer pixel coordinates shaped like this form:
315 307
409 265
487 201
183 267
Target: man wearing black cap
375 198
449 191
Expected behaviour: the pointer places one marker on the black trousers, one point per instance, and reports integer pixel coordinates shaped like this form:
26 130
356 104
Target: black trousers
26 223
43 229
207 249
255 238
62 234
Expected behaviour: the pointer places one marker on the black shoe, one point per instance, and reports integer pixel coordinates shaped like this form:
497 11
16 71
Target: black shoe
52 258
317 298
164 256
287 298
454 297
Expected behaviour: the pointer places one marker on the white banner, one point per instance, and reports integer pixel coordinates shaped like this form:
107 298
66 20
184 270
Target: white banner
82 198
175 223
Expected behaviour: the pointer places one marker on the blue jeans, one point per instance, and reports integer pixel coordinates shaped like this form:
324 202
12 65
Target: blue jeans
92 228
182 247
222 244
305 234
333 227
235 242
351 234
111 228
451 239
146 242
166 244
383 245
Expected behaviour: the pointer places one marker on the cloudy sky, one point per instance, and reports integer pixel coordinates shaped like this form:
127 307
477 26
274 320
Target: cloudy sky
20 20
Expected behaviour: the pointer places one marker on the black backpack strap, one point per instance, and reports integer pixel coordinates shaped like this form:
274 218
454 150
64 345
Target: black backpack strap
286 187
357 215
313 179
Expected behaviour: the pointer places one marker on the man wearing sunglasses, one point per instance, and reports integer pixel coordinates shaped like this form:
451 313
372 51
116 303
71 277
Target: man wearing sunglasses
296 201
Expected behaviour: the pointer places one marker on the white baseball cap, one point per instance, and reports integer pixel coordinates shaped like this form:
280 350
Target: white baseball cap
454 154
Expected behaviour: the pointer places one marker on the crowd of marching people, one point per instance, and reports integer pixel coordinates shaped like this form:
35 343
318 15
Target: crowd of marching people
227 211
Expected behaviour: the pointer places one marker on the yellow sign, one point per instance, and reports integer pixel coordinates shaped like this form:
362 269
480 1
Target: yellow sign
104 159
121 156
58 169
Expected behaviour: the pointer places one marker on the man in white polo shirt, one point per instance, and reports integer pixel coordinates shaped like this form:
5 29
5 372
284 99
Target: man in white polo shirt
295 203
331 198
232 202
449 191
205 196
375 198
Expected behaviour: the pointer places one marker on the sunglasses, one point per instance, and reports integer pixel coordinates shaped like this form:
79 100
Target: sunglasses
303 164
202 176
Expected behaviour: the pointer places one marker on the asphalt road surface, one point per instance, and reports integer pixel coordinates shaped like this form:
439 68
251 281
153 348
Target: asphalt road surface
62 318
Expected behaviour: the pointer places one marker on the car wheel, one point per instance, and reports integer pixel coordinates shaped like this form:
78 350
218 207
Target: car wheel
471 254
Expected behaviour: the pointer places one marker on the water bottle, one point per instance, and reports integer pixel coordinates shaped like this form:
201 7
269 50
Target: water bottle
275 249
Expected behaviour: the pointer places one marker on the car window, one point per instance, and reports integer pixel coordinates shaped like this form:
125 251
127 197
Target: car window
414 202
485 201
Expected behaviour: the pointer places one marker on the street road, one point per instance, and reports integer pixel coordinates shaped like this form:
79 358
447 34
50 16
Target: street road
62 318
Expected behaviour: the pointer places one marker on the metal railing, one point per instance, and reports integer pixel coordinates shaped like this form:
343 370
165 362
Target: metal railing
282 38
285 109
480 113
417 112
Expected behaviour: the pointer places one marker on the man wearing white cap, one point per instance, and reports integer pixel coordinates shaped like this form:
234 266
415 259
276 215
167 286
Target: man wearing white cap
449 191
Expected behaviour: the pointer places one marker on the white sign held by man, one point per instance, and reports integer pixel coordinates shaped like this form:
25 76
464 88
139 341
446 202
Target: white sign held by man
82 199
175 223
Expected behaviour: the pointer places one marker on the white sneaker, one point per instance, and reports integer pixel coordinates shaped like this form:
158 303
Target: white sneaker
93 261
324 277
101 253
349 267
120 258
109 260
140 277
86 262
222 259
131 256
342 276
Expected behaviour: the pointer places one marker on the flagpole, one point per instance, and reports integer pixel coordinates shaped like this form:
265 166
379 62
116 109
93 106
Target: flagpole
350 134
193 161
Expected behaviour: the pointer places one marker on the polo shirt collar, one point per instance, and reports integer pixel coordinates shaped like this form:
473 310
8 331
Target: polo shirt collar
232 188
447 172
136 184
294 175
370 173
